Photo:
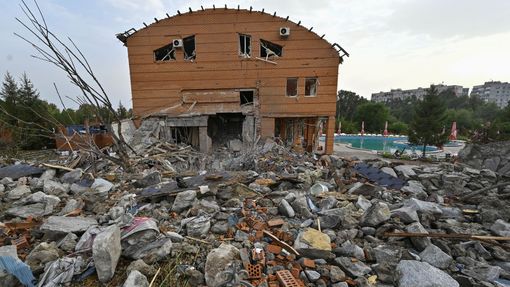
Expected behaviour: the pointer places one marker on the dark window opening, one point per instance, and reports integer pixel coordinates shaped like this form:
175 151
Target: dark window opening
244 45
268 49
292 87
189 48
225 127
311 87
246 97
165 53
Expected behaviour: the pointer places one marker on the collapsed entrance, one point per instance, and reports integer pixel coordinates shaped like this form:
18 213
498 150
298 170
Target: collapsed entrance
225 127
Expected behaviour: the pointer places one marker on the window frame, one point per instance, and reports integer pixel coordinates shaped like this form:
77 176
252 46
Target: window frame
170 59
316 86
263 42
193 57
287 87
246 36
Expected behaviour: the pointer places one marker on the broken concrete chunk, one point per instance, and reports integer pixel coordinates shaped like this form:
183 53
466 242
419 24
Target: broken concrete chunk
378 213
106 251
136 279
365 189
501 228
198 227
436 257
422 274
31 210
419 242
72 176
68 224
18 192
142 267
415 189
424 206
286 209
406 171
102 186
363 203
217 261
407 214
149 180
389 170
54 188
355 269
300 206
184 200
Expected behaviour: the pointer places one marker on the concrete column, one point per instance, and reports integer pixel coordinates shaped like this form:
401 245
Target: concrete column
267 127
204 140
330 135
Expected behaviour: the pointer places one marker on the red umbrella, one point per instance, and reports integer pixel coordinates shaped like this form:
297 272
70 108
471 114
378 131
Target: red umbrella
339 127
453 133
362 128
385 133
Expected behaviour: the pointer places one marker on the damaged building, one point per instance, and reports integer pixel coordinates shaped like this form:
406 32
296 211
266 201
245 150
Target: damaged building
217 77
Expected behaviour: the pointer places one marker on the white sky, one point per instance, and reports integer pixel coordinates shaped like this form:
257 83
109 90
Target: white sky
393 43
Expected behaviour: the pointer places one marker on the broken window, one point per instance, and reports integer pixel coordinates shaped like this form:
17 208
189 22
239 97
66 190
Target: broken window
292 87
246 97
310 87
165 53
244 45
268 49
189 48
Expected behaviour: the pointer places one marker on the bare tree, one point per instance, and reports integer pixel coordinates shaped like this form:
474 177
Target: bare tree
69 58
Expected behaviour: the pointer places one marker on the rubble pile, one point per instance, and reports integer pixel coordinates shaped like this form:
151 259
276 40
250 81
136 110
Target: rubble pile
268 217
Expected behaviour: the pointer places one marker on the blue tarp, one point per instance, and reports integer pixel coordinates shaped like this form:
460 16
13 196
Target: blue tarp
19 269
376 175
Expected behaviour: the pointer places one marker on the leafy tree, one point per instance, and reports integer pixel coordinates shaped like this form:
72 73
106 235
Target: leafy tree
122 111
398 127
347 103
374 115
427 127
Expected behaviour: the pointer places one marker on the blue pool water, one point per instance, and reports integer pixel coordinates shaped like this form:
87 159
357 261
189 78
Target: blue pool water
389 144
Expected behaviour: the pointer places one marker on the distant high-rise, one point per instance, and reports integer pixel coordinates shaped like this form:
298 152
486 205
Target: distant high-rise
493 92
419 93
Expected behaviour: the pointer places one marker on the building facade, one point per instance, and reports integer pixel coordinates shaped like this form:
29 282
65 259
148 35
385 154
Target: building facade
495 92
418 93
216 75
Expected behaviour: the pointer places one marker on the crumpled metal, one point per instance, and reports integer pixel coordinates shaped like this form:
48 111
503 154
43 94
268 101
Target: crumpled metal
61 271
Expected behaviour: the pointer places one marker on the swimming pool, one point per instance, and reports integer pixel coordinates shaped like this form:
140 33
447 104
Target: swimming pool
380 143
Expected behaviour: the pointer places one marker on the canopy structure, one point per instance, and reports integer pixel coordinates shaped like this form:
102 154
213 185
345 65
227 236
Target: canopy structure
453 133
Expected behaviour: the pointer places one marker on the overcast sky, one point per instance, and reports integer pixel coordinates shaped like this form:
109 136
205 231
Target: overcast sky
393 43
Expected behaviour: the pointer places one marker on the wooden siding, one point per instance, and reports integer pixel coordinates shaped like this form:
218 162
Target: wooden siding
218 66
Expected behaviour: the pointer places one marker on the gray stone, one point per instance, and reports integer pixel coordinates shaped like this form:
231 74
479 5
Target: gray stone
501 228
54 188
217 261
366 189
422 274
235 145
207 205
18 192
483 272
363 203
67 224
72 176
415 189
106 251
301 208
34 210
19 170
68 243
406 171
220 227
136 279
340 284
174 236
48 174
348 249
492 163
72 204
406 214
142 267
312 275
424 206
355 269
318 189
331 218
286 209
184 200
378 213
387 254
198 227
101 186
336 274
42 254
436 257
149 180
389 170
419 242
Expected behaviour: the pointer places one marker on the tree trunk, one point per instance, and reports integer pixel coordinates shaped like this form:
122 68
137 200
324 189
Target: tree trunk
424 150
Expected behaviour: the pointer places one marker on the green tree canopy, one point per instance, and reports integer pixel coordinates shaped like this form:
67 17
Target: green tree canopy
374 115
347 103
427 126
